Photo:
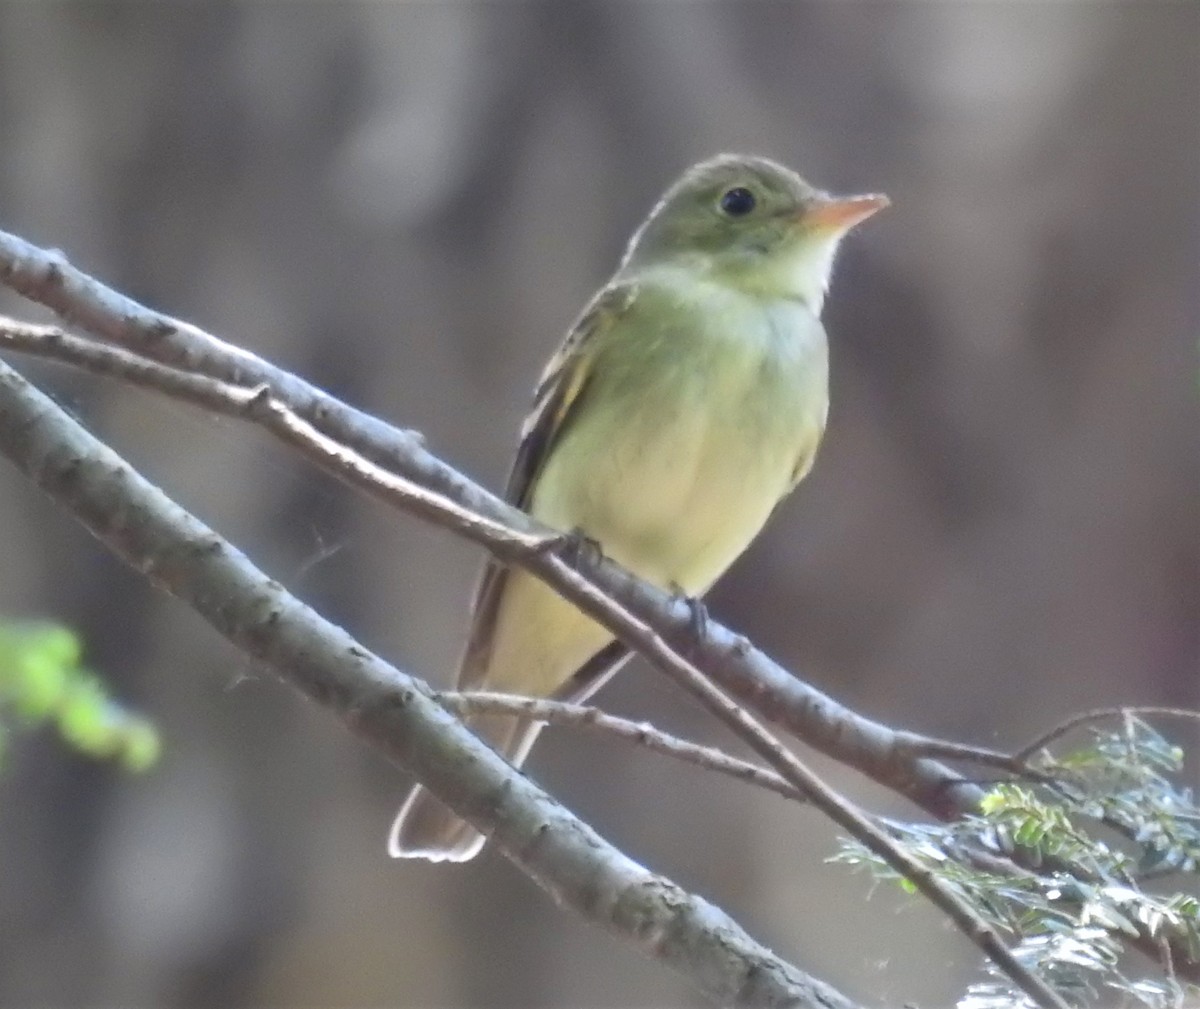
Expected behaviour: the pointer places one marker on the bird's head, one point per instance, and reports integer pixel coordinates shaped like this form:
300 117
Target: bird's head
751 224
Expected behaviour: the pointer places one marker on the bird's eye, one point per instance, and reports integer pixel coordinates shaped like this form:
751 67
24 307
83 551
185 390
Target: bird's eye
738 202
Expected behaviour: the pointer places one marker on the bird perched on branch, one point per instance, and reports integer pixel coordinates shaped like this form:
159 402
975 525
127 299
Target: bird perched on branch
686 401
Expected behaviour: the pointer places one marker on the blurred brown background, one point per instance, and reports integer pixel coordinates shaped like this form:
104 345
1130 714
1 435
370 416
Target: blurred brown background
408 203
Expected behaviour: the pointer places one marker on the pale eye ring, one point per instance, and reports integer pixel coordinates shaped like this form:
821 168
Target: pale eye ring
737 202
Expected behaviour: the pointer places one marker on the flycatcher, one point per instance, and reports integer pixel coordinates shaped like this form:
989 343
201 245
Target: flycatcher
686 401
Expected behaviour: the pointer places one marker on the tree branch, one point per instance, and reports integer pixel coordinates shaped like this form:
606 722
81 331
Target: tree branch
640 733
391 710
1099 715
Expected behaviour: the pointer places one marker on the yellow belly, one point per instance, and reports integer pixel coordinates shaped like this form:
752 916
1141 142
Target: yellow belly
676 507
678 529
686 444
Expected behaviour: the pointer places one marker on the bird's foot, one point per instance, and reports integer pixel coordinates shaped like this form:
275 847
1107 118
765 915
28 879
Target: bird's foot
698 612
575 547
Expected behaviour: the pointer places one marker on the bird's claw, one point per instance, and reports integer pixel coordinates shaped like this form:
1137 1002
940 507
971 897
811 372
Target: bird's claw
697 612
575 547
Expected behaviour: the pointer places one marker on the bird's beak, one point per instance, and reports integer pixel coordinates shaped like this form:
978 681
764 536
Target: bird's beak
841 213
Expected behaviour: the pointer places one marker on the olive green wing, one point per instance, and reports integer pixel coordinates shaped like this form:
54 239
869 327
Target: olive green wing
561 388
560 391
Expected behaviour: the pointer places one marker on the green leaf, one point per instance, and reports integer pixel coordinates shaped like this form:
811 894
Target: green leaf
142 748
41 680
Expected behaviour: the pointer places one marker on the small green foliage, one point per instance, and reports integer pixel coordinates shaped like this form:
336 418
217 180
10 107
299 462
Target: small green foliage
42 682
1069 867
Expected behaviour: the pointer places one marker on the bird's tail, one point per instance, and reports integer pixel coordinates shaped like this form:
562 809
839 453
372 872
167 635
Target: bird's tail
425 828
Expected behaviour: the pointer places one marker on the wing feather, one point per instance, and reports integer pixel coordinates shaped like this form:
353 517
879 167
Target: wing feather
561 388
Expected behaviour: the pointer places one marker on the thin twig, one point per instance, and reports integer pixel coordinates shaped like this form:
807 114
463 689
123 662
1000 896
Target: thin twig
1099 715
641 733
253 404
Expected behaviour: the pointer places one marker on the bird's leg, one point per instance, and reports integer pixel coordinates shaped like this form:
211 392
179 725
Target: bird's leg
698 612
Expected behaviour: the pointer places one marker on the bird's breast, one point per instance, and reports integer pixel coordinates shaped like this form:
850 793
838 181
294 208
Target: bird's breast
681 452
